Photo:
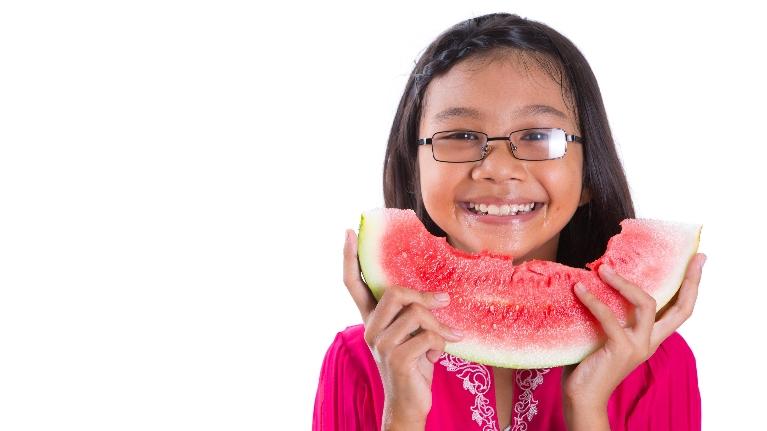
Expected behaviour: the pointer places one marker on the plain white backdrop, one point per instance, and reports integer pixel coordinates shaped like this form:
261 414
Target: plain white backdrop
176 178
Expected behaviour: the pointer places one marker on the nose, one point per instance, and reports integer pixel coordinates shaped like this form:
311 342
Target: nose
500 164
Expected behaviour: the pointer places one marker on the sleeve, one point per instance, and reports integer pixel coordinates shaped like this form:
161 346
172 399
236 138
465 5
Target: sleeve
349 398
661 394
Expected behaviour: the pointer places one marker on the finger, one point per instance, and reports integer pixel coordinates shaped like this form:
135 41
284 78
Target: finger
416 318
682 308
433 355
393 301
359 291
601 312
418 346
644 304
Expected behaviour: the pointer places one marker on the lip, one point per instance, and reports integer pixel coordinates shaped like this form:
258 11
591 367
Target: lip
495 219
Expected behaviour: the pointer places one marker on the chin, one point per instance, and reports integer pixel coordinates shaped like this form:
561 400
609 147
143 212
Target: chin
509 245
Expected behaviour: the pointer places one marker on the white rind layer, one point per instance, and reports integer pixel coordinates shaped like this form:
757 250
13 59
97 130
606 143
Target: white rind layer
671 284
521 359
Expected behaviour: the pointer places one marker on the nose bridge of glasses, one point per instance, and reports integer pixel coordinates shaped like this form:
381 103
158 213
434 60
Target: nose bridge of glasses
507 140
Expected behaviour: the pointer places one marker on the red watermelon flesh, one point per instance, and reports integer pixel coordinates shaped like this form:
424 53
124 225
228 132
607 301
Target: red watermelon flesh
527 315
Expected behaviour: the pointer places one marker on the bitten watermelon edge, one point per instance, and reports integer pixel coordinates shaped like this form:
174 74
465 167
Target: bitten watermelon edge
521 316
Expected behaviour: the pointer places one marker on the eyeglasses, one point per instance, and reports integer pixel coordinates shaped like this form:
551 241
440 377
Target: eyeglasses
461 146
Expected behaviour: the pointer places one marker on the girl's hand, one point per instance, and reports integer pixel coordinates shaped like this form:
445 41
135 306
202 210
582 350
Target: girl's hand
405 339
588 386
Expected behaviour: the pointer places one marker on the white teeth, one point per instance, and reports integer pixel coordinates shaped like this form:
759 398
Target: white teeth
501 210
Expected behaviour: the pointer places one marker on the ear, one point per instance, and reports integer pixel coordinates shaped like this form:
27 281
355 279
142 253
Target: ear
585 196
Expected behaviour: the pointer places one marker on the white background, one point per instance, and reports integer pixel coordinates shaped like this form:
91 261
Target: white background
176 177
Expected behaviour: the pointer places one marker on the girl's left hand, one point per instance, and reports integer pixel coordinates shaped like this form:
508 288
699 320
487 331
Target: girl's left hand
589 384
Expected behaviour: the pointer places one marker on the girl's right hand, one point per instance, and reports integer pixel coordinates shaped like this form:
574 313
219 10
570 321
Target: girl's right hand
405 339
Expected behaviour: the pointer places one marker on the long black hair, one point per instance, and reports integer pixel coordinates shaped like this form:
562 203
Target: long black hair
585 236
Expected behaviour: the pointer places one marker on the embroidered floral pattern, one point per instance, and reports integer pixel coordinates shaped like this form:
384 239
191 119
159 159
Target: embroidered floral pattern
527 406
476 380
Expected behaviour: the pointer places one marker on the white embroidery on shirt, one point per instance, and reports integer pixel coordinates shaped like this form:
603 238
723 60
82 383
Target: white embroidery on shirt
527 406
476 380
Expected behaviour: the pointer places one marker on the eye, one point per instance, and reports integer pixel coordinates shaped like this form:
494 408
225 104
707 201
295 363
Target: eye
535 136
463 136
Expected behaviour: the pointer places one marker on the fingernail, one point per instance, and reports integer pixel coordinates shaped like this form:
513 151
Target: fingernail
442 297
457 332
702 261
580 288
606 269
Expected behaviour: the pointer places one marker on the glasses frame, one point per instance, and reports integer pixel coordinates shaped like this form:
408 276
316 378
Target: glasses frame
512 147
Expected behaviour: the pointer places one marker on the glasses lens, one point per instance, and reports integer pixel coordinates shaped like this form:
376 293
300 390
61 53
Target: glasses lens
539 144
458 146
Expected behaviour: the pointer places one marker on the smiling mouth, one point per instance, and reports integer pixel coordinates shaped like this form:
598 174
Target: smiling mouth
502 210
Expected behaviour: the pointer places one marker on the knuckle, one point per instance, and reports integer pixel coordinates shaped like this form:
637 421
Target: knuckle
444 329
384 347
651 302
370 337
381 345
685 311
434 339
419 311
395 294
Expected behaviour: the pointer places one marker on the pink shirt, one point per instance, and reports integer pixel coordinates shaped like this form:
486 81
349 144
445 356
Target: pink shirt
660 394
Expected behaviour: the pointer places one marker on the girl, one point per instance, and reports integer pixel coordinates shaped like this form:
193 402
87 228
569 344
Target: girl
501 143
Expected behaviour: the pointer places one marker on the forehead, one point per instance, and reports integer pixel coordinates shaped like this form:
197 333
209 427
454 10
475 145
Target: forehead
503 88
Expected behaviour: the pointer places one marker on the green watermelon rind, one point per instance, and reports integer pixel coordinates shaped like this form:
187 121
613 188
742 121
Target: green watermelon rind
373 225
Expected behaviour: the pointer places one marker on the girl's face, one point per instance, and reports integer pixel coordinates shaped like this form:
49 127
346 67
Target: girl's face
498 97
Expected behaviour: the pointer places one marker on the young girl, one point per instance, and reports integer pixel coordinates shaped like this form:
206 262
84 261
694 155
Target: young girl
501 143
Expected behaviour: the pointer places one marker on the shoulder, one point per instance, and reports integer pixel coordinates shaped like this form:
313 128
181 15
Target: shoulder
661 393
673 355
349 350
351 340
349 394
672 364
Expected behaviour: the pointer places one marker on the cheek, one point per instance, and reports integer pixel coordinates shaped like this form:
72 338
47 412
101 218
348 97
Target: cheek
434 190
437 183
564 185
427 174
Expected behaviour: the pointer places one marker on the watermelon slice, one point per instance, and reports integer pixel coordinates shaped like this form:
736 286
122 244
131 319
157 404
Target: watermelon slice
521 316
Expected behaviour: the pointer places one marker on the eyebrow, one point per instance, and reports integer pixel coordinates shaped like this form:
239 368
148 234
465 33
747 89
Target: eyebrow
534 110
525 111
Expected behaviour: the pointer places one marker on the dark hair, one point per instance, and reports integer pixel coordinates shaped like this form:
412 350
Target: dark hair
585 236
